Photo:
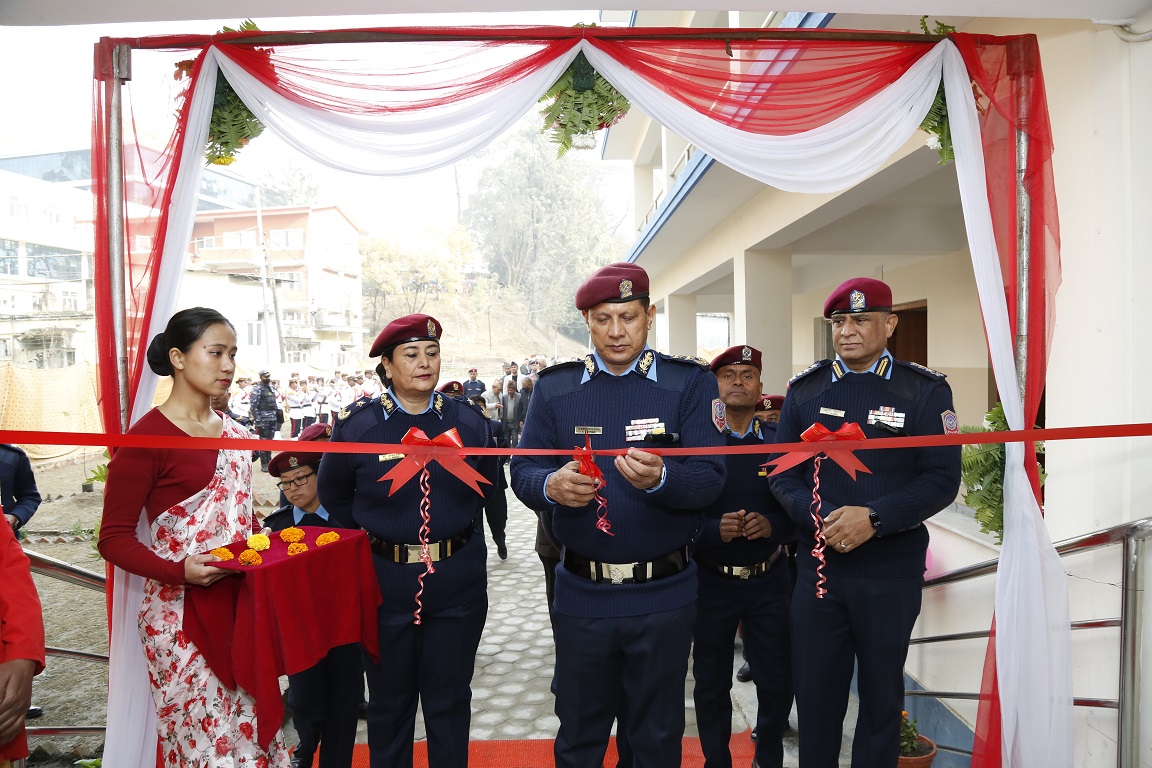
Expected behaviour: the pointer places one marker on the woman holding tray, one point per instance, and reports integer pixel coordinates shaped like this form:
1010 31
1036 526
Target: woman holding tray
422 527
164 510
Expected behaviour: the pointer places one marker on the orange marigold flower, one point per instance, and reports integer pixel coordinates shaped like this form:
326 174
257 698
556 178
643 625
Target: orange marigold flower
291 535
327 538
258 542
297 547
250 557
222 553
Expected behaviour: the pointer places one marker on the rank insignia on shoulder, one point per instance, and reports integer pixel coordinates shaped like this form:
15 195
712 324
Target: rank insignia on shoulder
689 359
951 424
388 403
837 370
646 361
815 366
756 429
926 370
719 415
590 364
344 413
438 403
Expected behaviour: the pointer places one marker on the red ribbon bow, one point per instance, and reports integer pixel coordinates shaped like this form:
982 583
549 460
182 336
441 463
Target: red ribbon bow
818 433
452 461
589 468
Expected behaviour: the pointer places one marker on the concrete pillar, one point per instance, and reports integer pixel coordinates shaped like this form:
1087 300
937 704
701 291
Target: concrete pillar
681 312
762 289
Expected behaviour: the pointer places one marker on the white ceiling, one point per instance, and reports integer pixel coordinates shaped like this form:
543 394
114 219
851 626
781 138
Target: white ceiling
62 12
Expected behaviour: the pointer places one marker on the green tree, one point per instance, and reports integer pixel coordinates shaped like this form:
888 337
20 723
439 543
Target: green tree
542 223
401 278
290 185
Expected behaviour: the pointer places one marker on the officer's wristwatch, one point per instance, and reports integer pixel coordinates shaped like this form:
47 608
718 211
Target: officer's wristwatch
874 518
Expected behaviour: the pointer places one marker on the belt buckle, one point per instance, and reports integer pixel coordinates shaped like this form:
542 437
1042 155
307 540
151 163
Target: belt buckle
616 574
414 551
743 572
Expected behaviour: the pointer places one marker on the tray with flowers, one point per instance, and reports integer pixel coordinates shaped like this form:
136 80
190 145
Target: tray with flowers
262 550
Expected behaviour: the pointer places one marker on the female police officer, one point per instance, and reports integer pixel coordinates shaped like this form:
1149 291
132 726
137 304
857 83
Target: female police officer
435 599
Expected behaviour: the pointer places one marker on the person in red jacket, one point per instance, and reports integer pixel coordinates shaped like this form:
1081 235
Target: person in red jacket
21 644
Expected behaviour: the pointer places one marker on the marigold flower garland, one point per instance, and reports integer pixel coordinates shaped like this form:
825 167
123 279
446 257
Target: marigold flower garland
327 538
291 535
296 548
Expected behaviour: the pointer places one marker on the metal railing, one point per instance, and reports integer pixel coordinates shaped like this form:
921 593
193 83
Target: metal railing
1132 536
58 569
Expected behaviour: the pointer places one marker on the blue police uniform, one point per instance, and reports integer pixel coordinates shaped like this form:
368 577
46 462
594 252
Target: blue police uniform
431 663
874 590
18 492
325 698
743 581
625 600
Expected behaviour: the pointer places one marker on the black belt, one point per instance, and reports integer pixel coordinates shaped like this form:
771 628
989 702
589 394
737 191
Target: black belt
410 553
739 571
626 573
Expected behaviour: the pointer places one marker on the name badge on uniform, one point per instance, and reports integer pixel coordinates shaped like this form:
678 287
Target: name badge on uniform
637 428
391 456
887 415
589 430
831 412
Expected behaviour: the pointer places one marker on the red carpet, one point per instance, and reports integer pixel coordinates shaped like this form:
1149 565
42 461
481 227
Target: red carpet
538 753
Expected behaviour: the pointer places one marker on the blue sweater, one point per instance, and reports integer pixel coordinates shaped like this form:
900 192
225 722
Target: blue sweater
349 488
645 525
905 486
746 488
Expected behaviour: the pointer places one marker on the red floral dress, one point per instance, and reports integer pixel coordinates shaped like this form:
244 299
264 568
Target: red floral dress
201 722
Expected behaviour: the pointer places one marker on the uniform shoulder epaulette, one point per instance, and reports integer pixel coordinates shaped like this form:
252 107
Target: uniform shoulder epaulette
347 411
922 369
562 366
687 359
816 366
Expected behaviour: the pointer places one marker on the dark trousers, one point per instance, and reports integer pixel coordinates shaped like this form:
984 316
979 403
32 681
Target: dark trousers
865 622
296 426
430 664
550 564
324 417
325 702
496 511
267 431
761 604
642 660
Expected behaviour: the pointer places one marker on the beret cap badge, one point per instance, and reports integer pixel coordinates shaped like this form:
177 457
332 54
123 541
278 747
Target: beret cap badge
432 328
856 300
625 288
293 462
746 354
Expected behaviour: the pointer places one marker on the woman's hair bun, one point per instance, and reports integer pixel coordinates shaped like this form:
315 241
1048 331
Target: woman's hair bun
158 359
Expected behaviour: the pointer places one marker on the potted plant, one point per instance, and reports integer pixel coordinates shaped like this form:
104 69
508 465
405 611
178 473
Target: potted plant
916 750
982 472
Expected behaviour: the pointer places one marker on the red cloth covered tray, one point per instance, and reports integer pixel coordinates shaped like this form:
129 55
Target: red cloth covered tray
284 615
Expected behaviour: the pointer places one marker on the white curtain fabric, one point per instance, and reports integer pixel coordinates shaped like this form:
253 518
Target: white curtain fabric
1033 636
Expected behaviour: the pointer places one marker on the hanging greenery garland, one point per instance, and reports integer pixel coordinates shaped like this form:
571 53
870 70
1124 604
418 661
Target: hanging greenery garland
233 125
580 103
935 123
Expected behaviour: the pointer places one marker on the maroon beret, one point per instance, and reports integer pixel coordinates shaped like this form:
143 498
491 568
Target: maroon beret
317 431
741 354
615 283
770 403
860 294
405 329
451 388
289 460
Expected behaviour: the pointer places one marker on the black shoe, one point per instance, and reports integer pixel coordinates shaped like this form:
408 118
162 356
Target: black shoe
502 550
744 674
34 712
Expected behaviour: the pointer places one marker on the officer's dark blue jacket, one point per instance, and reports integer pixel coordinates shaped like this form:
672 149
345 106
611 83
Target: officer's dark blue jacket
20 497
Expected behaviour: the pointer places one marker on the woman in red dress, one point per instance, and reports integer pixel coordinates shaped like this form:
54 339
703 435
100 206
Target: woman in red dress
164 510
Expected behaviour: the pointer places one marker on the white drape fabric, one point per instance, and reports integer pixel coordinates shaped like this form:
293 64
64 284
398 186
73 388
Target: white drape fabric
1033 636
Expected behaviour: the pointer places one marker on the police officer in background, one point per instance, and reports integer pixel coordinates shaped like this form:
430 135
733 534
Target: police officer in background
625 597
743 580
873 525
264 413
429 663
18 492
325 698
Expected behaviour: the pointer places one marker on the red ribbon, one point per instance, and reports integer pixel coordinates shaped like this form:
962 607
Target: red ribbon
589 468
453 462
818 433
